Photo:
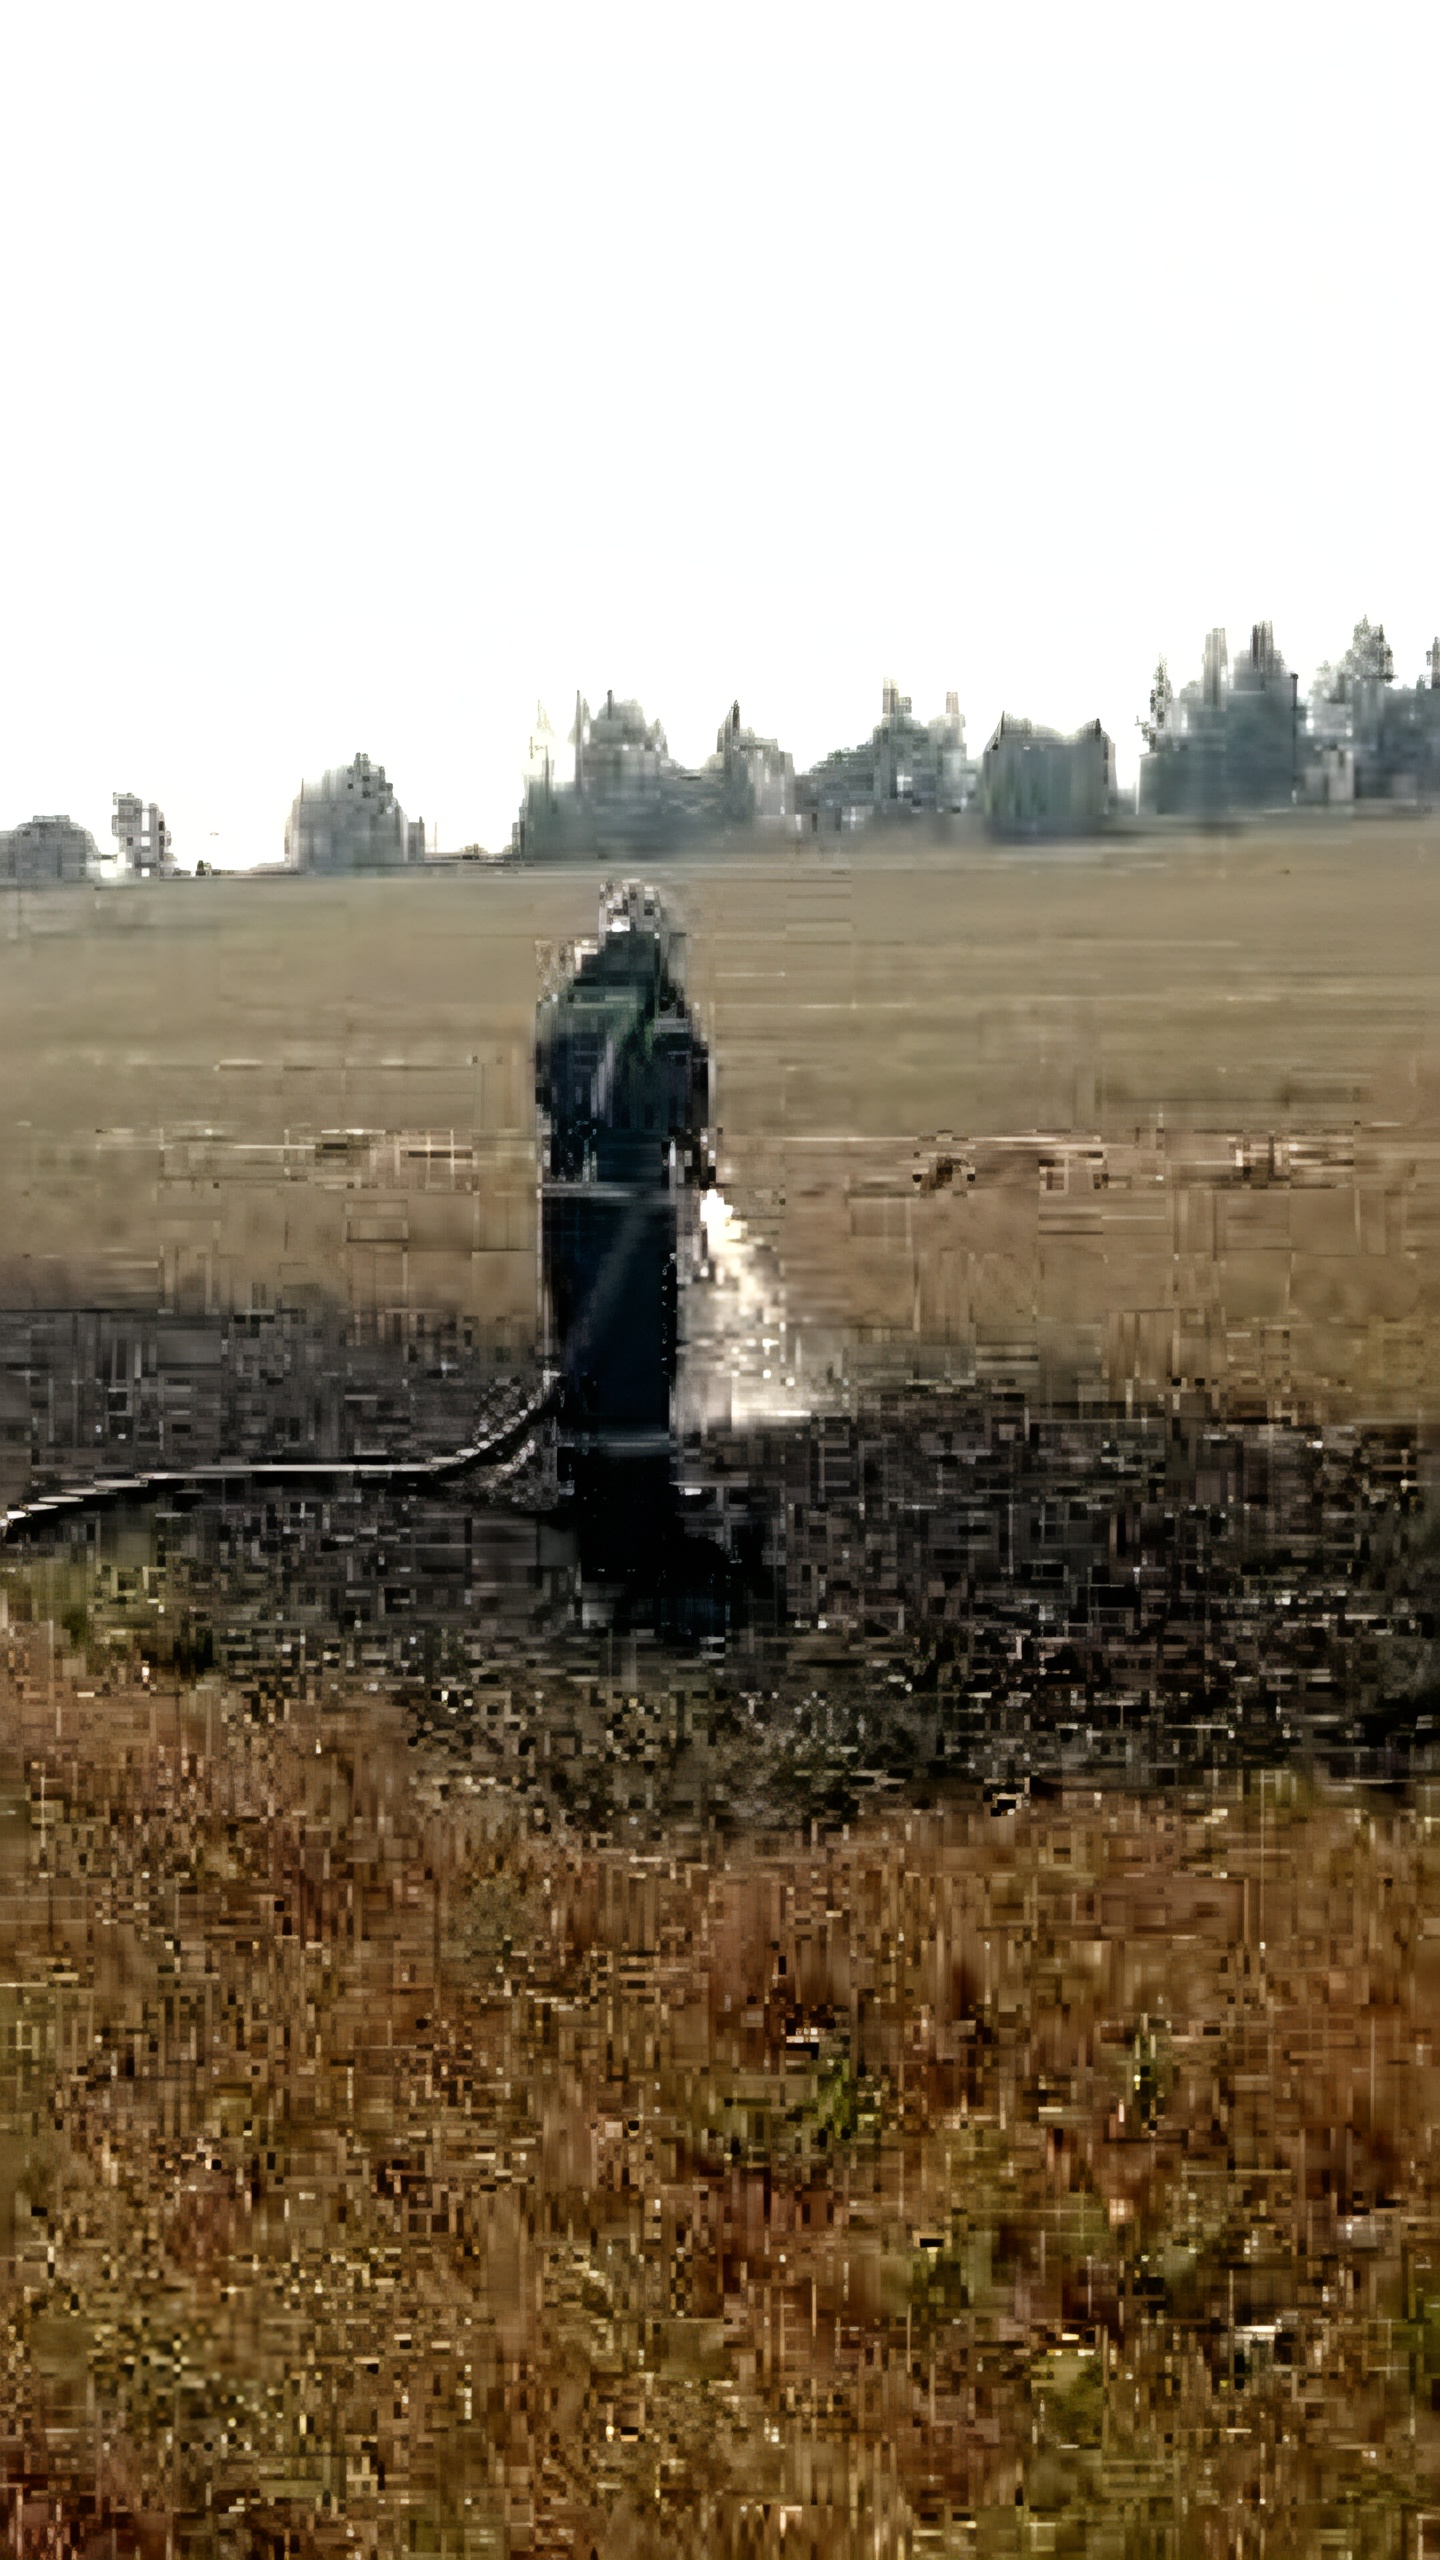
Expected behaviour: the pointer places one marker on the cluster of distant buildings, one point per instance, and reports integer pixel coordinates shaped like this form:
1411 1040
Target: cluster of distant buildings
1237 738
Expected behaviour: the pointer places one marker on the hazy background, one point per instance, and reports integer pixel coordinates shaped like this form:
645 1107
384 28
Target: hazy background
369 377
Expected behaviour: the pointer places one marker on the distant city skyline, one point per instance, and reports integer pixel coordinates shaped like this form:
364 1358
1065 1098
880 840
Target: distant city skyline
369 384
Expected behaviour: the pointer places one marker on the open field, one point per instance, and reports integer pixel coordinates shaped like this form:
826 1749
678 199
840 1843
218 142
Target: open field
463 2093
378 2173
1165 1111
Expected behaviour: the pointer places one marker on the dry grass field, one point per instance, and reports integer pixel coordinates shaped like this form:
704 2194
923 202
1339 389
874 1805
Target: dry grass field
393 2160
1163 1113
380 2175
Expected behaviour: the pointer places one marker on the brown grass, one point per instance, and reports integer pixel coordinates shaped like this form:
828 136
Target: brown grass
1188 1089
377 2174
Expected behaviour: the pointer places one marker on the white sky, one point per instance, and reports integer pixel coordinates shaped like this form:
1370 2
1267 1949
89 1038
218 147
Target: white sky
367 375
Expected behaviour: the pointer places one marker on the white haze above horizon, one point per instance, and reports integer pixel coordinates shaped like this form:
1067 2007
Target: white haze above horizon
371 376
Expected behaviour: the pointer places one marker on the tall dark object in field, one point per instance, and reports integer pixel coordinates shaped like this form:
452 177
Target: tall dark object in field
622 1081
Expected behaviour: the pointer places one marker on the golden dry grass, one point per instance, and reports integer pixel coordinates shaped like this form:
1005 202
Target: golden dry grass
1189 1089
378 2174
